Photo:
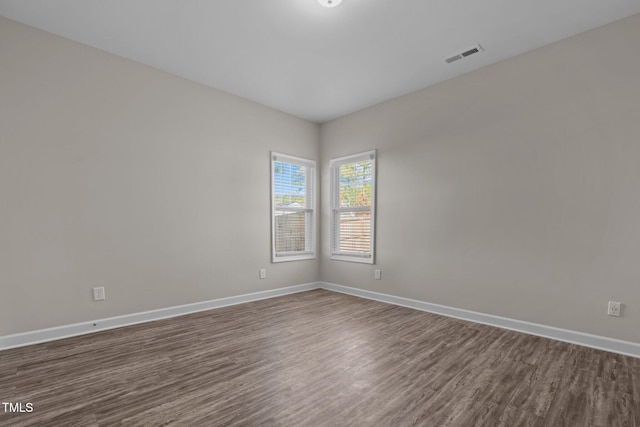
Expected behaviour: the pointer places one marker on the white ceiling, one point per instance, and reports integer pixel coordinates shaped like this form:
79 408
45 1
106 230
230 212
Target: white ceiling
310 61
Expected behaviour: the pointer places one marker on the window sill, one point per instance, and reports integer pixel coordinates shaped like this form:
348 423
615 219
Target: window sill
358 259
288 258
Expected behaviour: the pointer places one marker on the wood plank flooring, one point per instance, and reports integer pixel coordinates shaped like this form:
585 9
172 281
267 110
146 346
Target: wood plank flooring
317 358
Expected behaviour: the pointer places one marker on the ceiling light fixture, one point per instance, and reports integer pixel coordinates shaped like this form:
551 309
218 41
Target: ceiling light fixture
329 3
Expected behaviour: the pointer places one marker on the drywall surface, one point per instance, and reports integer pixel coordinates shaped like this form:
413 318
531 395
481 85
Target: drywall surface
118 175
513 190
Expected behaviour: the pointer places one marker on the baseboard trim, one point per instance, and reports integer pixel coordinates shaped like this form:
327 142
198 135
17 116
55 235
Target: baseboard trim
67 331
626 348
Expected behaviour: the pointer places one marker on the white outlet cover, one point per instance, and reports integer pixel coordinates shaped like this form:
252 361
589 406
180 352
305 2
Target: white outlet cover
614 308
98 294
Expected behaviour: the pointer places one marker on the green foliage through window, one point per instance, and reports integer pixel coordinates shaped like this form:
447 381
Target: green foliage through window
355 183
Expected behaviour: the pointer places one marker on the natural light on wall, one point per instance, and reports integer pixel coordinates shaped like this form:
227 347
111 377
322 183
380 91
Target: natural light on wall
292 208
353 180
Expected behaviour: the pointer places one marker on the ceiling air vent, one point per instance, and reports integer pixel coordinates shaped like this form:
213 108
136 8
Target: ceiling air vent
464 54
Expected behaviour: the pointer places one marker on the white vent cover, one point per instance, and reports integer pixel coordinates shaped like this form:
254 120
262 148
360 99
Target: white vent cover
464 54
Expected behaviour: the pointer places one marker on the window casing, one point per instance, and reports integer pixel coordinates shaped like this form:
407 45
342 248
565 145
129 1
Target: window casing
293 214
353 192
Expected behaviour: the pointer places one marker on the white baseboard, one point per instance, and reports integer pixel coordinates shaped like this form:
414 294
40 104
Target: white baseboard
626 348
66 331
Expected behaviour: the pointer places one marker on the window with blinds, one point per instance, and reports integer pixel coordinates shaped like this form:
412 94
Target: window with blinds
292 208
353 183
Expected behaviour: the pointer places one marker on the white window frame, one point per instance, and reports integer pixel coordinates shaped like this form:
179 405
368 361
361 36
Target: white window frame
309 209
335 165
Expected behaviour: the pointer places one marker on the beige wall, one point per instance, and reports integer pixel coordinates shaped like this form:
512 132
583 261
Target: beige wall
513 190
118 175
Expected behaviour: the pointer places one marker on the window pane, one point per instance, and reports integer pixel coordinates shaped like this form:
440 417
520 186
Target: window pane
354 232
292 208
289 185
353 187
355 183
290 231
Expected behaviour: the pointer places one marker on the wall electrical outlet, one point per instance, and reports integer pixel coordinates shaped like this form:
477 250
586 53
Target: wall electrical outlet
263 273
614 308
377 274
98 294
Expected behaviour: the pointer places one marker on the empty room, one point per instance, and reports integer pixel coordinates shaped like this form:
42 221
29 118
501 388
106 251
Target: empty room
319 213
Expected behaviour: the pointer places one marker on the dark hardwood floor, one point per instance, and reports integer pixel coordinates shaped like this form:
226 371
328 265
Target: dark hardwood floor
317 358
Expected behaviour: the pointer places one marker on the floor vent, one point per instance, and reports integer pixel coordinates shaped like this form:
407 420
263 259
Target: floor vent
464 54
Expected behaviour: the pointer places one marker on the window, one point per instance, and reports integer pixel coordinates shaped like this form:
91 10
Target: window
353 189
292 208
